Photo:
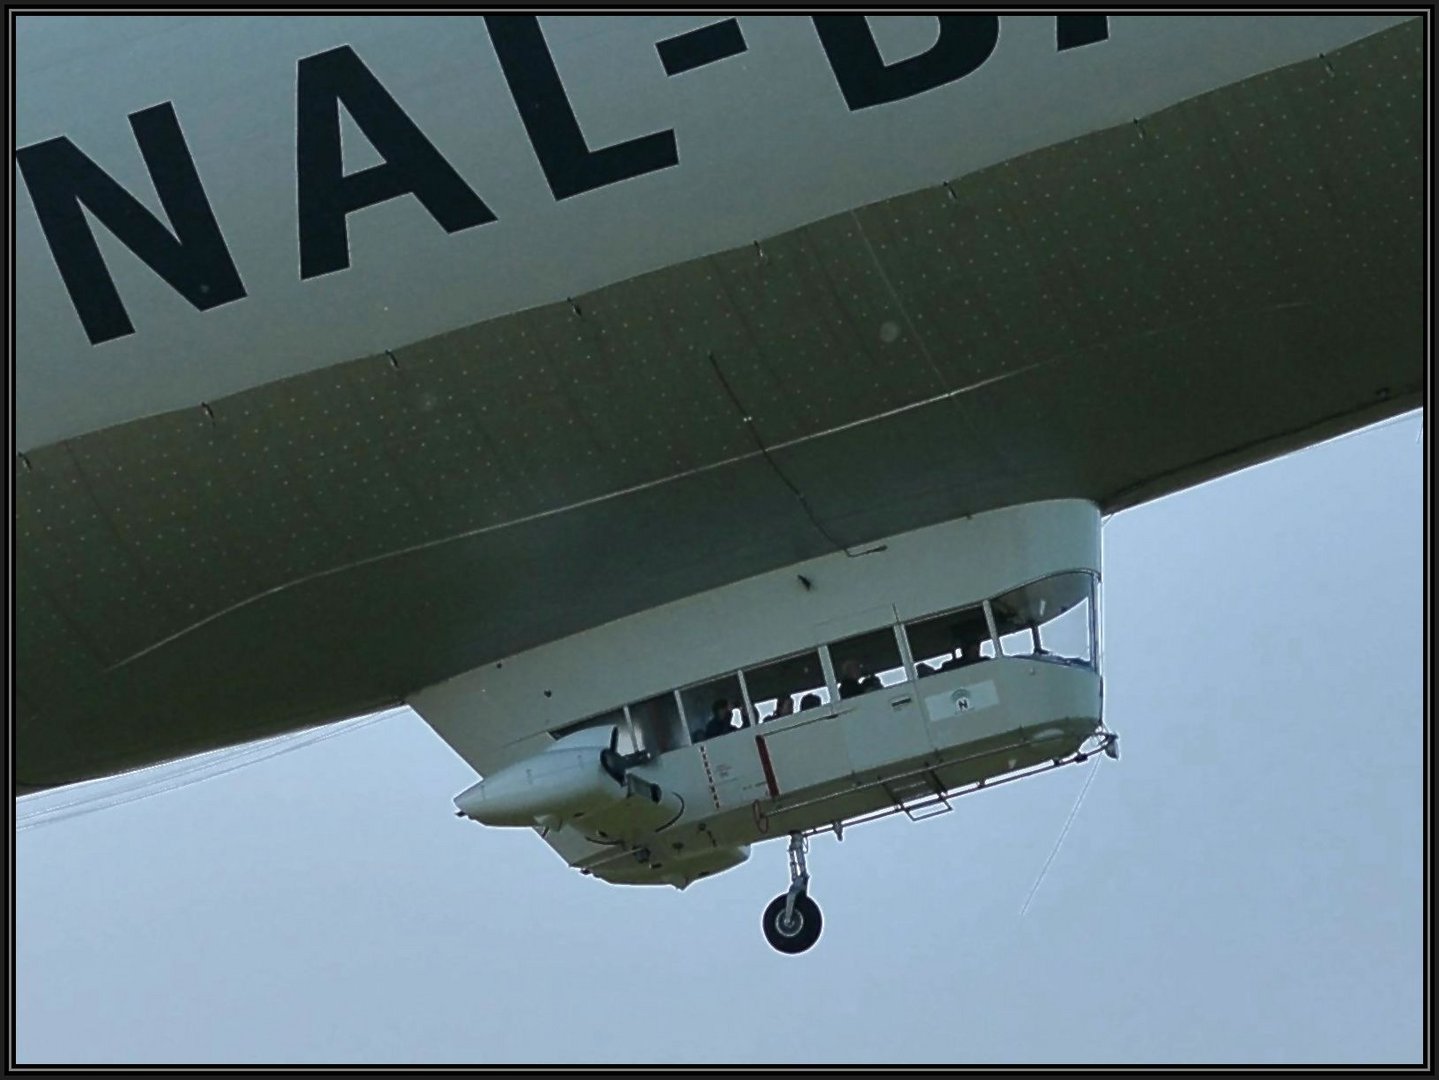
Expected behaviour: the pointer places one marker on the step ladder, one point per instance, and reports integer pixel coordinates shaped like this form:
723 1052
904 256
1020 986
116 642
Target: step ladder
920 796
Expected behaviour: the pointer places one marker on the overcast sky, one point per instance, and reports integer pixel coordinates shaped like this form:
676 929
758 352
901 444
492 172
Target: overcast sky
1245 885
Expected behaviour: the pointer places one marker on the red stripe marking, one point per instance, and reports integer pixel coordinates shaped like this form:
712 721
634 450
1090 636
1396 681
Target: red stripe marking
768 768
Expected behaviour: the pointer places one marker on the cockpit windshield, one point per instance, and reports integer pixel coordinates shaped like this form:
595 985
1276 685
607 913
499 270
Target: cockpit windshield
1051 618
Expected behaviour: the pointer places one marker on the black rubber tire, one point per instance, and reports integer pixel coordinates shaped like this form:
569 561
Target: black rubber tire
796 938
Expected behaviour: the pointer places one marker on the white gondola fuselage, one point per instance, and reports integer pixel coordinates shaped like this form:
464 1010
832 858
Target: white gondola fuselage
656 749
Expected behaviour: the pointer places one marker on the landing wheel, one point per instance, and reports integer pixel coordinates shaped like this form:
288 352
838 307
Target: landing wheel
799 931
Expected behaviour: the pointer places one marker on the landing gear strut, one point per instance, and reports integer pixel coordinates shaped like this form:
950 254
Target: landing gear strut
792 920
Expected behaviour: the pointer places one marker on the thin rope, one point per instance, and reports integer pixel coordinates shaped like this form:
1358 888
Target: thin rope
183 773
1073 813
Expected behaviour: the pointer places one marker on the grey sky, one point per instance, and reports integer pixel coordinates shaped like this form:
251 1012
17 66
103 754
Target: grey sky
1246 885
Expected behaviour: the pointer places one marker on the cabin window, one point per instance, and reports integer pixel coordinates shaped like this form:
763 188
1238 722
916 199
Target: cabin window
714 708
1050 619
954 639
867 662
784 687
657 724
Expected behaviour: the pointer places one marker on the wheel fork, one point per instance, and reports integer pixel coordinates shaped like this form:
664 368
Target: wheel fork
798 874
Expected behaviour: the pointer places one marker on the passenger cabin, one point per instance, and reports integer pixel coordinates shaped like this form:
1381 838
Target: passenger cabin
858 684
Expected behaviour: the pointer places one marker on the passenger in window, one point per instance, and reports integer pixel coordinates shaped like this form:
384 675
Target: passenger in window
926 669
857 680
784 708
721 719
965 652
809 701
